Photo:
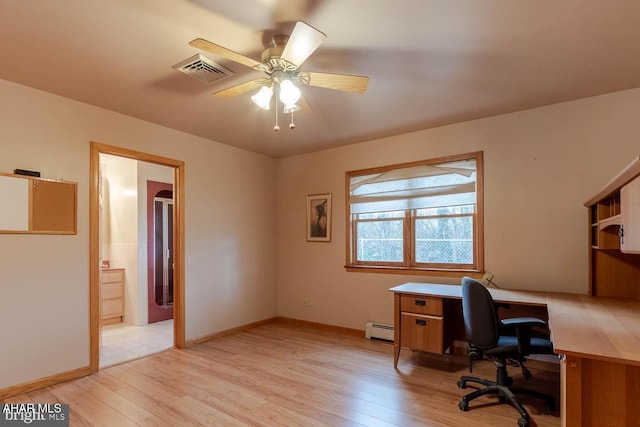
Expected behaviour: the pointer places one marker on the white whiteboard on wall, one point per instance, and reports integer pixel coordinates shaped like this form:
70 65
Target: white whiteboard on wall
14 203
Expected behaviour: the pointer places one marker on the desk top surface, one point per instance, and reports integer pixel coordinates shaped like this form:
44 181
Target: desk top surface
581 325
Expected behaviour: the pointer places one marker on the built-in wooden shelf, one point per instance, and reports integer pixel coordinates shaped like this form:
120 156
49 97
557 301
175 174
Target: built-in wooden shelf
612 270
612 220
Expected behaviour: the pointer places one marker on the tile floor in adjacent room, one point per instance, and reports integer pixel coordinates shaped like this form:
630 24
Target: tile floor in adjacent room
121 341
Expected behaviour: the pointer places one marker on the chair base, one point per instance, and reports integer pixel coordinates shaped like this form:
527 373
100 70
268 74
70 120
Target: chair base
505 393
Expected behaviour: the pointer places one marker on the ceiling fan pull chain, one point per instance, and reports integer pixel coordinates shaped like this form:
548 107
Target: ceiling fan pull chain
276 127
292 125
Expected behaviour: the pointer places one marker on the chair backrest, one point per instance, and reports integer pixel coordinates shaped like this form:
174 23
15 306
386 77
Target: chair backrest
480 315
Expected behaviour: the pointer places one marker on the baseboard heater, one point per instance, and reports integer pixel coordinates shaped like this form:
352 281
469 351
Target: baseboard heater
379 331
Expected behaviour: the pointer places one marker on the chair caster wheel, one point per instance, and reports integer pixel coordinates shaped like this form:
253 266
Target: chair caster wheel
464 406
462 384
523 422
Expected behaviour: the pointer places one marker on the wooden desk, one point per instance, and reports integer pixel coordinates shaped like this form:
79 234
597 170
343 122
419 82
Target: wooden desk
598 338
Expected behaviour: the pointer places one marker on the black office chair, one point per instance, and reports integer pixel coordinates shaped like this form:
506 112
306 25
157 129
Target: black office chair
509 340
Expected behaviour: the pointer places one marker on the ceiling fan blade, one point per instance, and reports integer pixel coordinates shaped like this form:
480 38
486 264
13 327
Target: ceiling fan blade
345 82
224 52
304 40
240 89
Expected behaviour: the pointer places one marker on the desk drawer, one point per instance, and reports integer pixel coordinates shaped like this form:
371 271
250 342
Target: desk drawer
421 305
422 332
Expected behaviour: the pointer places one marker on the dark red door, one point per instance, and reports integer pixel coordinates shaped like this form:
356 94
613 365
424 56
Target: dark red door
160 250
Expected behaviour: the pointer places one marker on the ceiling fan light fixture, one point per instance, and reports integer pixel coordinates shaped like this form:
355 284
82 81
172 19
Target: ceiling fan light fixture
289 93
281 63
263 97
291 108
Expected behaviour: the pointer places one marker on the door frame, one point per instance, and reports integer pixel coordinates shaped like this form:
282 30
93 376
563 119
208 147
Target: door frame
94 243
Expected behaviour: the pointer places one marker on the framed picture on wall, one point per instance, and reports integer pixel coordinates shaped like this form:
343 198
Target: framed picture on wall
319 218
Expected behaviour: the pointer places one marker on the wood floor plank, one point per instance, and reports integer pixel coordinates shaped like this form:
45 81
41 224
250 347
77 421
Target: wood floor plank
44 395
287 374
88 407
134 412
164 414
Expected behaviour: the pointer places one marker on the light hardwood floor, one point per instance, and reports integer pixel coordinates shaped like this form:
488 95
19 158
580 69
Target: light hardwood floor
287 374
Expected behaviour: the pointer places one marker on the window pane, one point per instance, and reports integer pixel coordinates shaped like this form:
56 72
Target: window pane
444 240
447 210
382 215
380 241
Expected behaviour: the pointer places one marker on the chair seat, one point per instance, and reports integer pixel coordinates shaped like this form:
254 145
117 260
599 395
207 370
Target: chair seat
508 345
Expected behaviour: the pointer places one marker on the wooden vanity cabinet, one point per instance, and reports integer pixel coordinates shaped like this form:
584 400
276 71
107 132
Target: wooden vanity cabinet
111 295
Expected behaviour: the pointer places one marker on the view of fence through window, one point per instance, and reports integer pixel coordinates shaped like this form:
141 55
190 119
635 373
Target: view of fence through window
446 237
442 235
418 216
380 240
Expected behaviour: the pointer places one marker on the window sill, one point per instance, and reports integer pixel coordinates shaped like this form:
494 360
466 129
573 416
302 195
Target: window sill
414 271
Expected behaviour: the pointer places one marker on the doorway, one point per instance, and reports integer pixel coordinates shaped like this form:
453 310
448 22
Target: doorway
172 220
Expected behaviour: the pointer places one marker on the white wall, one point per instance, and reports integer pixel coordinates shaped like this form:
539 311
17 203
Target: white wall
120 238
44 280
540 166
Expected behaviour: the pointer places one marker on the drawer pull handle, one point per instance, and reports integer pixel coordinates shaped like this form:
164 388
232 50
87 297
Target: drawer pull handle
421 322
420 302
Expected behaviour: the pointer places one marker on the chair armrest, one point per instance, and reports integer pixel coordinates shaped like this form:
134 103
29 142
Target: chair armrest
516 322
523 327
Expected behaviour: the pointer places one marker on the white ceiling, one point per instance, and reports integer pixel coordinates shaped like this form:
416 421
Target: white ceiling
430 62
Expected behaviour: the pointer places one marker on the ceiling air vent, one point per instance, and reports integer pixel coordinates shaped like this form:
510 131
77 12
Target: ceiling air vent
203 69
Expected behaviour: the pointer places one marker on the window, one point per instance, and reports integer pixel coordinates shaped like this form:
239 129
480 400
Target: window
423 216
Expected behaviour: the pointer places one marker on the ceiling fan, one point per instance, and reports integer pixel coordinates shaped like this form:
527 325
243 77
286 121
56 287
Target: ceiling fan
281 63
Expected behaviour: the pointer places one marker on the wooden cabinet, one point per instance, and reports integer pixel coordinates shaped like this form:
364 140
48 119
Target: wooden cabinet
630 217
614 238
111 295
420 324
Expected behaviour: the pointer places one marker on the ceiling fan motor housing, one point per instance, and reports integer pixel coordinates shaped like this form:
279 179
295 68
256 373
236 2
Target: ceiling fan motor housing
271 57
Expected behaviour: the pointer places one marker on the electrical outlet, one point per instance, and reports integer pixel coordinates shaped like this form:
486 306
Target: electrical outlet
486 279
307 302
